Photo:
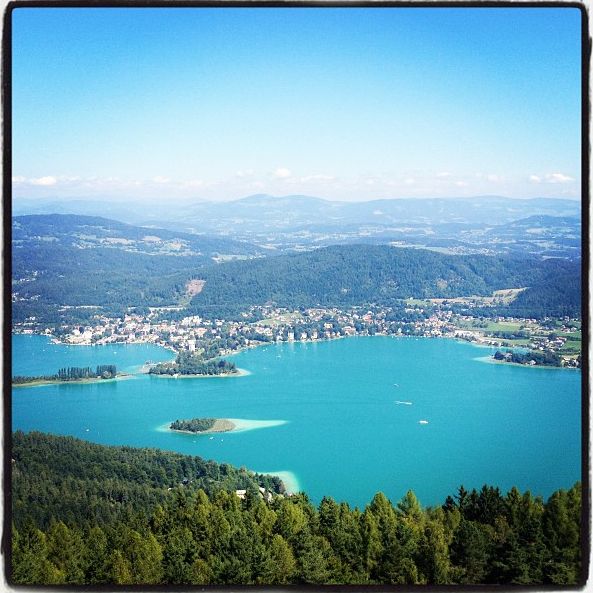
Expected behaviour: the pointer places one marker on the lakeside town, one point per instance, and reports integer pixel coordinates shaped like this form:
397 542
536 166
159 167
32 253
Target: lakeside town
210 338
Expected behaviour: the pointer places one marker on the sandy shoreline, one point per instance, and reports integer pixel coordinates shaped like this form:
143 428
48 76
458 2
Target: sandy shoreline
238 425
243 424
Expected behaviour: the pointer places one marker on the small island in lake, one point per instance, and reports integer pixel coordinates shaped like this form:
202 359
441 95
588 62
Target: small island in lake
190 364
202 425
69 375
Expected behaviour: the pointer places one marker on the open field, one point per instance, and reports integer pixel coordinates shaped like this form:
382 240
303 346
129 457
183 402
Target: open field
281 319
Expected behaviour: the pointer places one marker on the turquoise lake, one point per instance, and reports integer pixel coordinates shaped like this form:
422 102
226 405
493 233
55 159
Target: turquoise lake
339 429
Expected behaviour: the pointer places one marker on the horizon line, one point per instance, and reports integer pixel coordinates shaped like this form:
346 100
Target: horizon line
112 198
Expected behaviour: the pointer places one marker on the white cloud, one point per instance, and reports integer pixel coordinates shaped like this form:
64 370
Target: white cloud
409 181
241 174
492 177
551 178
558 178
461 183
282 173
443 175
48 180
161 179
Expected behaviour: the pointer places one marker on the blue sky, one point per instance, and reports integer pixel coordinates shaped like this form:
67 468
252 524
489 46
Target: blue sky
351 103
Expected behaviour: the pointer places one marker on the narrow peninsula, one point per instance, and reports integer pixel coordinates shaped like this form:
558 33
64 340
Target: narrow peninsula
102 372
531 358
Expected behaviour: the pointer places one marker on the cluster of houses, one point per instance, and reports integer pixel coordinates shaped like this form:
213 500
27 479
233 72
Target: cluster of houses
192 333
262 493
279 325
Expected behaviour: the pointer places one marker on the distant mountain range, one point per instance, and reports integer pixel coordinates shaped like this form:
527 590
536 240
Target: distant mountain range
292 212
88 232
294 223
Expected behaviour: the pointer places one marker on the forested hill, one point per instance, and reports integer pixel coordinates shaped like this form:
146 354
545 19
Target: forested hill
73 261
68 260
352 275
77 481
103 515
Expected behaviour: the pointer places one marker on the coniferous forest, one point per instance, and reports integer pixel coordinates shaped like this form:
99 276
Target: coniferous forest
193 425
86 513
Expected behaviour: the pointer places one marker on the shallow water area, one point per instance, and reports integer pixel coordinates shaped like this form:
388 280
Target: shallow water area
241 425
289 479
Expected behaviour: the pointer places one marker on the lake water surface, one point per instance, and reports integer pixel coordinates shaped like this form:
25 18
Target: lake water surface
329 412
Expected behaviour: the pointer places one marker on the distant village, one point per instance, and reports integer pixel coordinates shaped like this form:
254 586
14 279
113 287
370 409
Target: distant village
218 337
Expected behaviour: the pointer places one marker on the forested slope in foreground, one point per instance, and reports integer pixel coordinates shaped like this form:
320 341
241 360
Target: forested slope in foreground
90 484
145 533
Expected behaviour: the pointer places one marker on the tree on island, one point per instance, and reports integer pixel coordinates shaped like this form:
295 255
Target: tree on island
104 371
188 363
193 425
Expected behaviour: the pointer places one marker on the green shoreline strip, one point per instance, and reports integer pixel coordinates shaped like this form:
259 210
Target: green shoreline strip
41 382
